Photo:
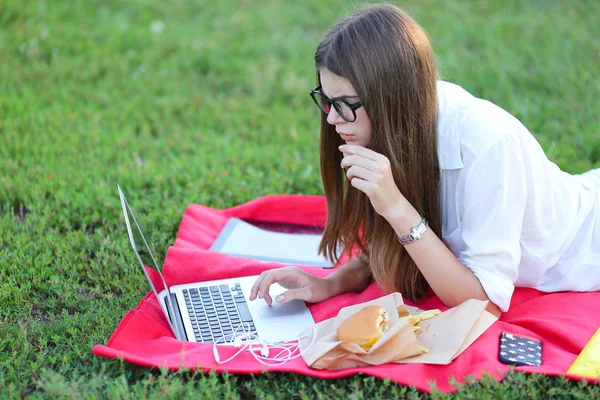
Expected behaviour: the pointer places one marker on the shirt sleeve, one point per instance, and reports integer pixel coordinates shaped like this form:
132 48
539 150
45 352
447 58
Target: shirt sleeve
494 206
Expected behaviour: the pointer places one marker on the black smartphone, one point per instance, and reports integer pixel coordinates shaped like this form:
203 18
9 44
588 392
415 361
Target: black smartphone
517 349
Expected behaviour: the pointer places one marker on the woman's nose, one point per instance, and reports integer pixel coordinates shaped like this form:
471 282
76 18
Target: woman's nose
334 118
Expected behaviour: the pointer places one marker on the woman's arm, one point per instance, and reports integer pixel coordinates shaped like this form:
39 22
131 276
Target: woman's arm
451 281
491 238
354 276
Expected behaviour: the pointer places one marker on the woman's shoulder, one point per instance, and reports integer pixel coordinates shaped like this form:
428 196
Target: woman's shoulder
474 124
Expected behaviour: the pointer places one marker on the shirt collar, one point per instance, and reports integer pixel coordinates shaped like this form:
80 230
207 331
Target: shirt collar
449 154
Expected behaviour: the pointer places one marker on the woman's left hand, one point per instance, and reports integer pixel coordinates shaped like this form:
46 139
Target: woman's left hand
370 172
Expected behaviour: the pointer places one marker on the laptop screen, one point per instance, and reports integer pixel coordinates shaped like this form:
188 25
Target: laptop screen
146 259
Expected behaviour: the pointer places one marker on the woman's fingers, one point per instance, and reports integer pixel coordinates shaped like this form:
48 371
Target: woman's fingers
266 279
254 290
379 166
363 186
362 173
265 284
371 173
361 161
349 149
303 293
300 285
367 170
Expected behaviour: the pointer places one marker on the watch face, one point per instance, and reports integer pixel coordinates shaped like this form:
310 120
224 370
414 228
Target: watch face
416 233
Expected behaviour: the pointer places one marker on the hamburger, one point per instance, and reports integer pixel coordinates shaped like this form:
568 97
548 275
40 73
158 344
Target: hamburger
365 327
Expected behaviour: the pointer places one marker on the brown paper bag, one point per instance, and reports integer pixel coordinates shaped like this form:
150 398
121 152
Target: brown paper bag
445 336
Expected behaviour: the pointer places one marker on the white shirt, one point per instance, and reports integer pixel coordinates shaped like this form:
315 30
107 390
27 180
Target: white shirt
508 213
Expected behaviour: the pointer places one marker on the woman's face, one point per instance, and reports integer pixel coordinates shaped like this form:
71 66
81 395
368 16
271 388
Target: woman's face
336 87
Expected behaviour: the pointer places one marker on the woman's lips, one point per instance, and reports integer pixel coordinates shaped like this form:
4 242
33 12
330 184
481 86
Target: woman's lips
345 137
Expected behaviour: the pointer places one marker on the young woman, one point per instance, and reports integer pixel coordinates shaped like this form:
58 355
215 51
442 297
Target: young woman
438 189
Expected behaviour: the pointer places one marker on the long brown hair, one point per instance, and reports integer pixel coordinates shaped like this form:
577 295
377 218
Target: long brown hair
388 60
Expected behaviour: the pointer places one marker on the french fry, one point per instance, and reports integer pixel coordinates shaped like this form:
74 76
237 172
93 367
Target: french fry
415 319
402 311
429 314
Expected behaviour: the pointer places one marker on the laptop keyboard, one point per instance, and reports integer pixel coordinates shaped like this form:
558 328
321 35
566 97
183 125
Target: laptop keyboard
217 311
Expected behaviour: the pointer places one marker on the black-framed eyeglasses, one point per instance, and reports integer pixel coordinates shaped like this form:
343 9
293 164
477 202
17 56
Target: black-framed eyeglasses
344 109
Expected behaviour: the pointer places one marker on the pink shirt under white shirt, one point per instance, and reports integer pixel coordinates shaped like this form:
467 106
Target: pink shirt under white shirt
508 213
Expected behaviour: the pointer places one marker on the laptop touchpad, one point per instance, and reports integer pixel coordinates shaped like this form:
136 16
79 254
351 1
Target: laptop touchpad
278 310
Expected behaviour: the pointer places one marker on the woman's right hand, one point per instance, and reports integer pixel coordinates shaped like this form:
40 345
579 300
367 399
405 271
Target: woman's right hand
301 285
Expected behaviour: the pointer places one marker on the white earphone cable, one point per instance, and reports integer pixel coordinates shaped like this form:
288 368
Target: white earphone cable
261 350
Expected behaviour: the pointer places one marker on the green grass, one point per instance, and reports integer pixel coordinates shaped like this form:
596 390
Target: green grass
207 102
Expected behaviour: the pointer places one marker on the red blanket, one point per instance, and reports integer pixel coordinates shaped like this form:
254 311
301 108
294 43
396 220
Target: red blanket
564 321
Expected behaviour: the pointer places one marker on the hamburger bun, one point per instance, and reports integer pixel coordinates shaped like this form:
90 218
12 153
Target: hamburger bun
365 327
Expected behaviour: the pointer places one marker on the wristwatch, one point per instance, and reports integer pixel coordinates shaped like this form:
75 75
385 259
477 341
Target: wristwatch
416 233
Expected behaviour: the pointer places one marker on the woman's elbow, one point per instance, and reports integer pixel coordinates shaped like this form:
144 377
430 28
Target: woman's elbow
454 301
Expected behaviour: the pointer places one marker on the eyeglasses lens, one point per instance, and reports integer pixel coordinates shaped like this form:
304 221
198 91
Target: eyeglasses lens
341 107
322 102
344 111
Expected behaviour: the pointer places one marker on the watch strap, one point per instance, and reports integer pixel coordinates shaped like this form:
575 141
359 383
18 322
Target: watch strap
416 233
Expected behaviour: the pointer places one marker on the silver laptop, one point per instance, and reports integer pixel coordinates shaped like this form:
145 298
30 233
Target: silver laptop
215 311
